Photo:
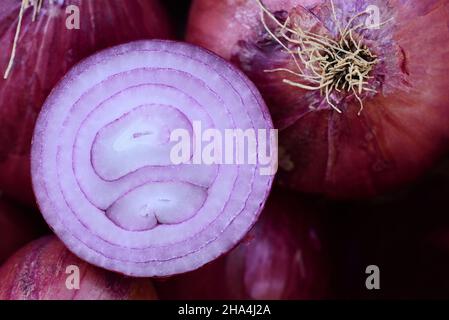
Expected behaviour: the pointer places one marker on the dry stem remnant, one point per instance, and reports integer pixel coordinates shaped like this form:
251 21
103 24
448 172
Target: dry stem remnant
330 66
36 5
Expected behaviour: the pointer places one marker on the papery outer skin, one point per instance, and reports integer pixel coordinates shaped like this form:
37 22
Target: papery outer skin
74 196
401 131
282 257
45 52
17 228
38 272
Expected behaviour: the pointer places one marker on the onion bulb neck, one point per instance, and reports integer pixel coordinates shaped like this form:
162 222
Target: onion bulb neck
339 68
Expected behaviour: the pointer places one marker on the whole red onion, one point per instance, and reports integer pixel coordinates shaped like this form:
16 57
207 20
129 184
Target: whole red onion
328 143
16 228
46 270
281 258
46 50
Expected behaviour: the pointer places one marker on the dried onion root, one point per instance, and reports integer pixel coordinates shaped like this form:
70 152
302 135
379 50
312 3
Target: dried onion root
329 65
36 6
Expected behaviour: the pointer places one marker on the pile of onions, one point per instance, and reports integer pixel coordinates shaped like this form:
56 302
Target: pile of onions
17 228
46 270
36 54
328 143
102 165
282 258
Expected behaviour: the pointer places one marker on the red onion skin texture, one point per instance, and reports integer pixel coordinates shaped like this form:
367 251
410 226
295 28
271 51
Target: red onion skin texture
45 52
402 129
281 258
38 272
17 228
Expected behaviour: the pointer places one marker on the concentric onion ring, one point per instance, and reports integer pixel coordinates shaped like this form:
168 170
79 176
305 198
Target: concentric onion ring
101 168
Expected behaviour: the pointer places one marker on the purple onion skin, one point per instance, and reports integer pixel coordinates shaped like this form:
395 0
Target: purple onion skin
17 228
402 130
281 258
38 272
45 52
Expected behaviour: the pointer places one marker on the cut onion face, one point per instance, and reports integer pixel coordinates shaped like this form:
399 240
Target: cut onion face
102 165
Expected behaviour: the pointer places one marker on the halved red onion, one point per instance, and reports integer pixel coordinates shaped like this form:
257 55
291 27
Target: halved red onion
45 50
45 270
101 165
